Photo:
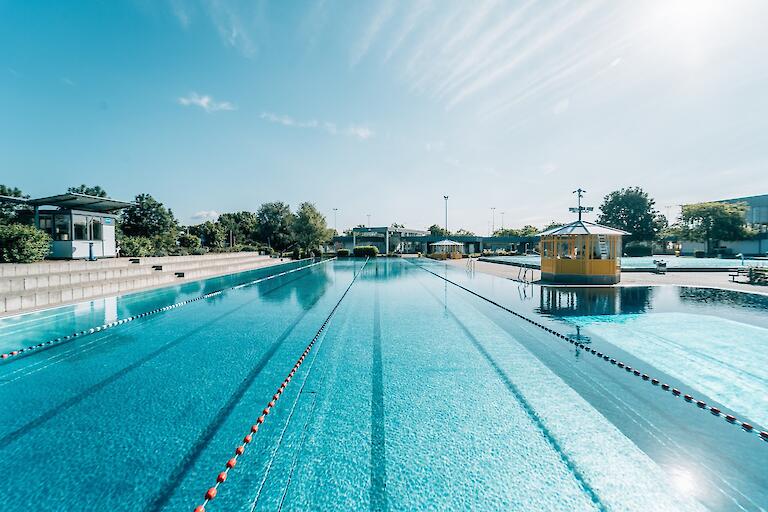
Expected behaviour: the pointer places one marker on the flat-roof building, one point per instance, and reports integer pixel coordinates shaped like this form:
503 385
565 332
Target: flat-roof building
410 241
81 226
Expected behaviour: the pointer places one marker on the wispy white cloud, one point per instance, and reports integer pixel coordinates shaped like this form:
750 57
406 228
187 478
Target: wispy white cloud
237 23
204 215
356 131
383 14
67 81
205 102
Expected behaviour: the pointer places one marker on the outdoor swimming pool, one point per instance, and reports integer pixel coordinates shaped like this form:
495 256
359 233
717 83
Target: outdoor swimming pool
632 263
418 395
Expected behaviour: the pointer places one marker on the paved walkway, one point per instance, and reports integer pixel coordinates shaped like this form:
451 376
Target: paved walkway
700 279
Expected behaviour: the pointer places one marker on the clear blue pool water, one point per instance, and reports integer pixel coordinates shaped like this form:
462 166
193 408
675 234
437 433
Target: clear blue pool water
418 396
629 263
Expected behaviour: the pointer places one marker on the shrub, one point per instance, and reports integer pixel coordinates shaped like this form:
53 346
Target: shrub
189 241
365 250
699 253
317 253
342 253
198 251
23 244
136 246
250 248
638 250
296 255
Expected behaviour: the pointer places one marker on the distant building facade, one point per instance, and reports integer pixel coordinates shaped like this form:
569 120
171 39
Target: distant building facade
755 216
411 241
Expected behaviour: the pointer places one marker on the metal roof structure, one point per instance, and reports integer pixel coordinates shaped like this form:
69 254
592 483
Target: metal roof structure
582 227
446 243
81 202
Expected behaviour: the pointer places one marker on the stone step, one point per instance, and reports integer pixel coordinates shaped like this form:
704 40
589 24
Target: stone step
123 280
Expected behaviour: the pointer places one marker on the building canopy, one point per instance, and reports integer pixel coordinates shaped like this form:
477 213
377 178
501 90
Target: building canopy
582 227
81 202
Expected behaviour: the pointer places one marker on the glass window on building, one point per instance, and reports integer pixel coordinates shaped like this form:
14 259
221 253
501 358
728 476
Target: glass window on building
61 227
80 225
96 228
46 224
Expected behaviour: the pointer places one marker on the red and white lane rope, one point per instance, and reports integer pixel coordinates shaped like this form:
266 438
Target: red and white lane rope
745 427
211 493
102 327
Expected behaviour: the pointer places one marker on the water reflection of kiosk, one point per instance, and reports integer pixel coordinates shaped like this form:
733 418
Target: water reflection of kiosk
581 252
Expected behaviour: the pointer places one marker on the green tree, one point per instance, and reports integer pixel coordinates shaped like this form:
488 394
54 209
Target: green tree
708 222
436 230
148 217
90 191
552 225
309 227
526 230
211 234
632 210
464 232
275 225
9 212
243 225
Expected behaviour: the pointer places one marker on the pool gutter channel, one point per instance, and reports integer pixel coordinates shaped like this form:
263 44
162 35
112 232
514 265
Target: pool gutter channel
85 332
240 450
729 418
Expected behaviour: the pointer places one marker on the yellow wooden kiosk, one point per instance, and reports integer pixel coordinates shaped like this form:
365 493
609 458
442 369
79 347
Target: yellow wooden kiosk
581 252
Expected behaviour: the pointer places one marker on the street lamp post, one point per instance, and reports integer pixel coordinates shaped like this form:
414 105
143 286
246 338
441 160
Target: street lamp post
493 219
502 221
335 230
446 215
369 220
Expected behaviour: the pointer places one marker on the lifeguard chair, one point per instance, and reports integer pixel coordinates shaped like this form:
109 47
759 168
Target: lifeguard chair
581 252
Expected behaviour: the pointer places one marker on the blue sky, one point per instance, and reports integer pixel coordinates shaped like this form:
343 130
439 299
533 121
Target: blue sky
383 107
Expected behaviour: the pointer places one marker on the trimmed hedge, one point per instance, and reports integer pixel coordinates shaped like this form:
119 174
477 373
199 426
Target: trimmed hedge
23 244
638 250
699 254
365 250
136 246
342 253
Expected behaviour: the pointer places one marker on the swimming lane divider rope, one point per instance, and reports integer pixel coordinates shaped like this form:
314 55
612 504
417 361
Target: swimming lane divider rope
745 427
211 493
103 327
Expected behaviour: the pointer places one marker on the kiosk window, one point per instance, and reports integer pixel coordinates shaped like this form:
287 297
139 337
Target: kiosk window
61 227
81 227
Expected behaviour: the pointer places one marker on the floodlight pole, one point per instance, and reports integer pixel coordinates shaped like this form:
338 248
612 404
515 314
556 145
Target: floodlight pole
335 210
502 221
369 220
493 220
446 215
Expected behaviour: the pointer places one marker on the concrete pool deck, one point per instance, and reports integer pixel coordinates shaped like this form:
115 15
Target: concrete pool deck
719 279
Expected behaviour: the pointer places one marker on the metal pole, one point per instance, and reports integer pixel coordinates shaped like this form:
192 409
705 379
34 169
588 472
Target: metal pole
369 220
334 221
446 215
493 219
502 221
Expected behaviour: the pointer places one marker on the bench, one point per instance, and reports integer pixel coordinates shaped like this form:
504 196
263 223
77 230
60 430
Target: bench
740 272
758 275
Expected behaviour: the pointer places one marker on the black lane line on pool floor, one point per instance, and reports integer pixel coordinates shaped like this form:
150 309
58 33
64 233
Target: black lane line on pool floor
378 490
50 414
240 450
187 462
524 403
745 427
14 355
